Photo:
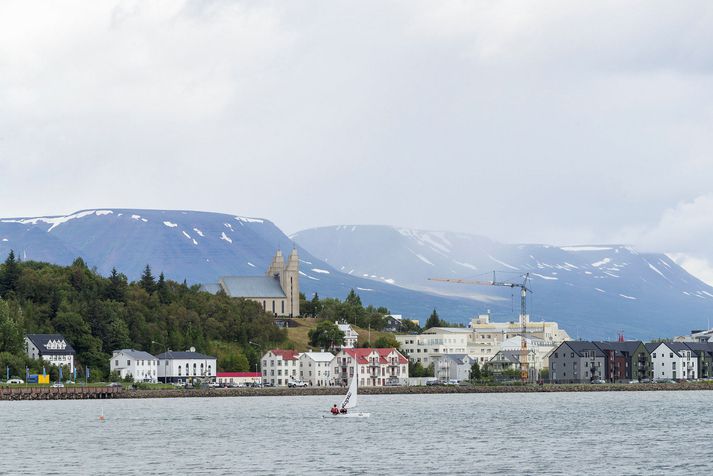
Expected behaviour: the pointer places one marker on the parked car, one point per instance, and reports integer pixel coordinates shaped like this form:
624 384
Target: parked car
296 383
268 384
15 381
453 382
432 382
214 385
57 385
114 384
600 381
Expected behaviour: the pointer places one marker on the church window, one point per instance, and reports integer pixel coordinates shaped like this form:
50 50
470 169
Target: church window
273 306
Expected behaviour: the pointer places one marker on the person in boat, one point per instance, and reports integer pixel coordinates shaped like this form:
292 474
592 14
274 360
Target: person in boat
343 411
334 410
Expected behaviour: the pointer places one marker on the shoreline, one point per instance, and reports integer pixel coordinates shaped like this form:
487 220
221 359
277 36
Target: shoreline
415 390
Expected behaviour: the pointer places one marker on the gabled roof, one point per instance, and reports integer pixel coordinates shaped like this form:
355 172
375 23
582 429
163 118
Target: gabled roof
701 346
459 358
581 346
362 355
319 356
286 354
628 346
252 286
454 330
512 356
137 354
43 341
171 355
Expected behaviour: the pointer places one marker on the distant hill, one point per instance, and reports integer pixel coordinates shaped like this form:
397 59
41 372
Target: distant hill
593 291
198 247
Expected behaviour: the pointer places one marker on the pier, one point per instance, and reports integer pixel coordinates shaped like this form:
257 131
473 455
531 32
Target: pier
65 393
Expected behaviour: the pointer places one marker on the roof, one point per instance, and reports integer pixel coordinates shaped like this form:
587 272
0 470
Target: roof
456 330
628 346
213 288
286 354
43 341
252 286
171 355
362 354
319 356
136 354
581 346
701 346
238 374
509 356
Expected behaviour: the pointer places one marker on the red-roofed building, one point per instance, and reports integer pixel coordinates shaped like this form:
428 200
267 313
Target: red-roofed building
238 378
279 366
377 367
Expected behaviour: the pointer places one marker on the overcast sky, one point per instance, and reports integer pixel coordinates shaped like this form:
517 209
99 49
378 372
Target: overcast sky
552 121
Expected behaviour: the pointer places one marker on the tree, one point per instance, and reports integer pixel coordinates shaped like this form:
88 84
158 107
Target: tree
386 342
10 275
326 335
433 320
11 338
475 371
116 290
147 281
162 289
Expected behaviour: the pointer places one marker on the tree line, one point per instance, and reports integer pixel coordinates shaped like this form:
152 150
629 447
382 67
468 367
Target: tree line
97 315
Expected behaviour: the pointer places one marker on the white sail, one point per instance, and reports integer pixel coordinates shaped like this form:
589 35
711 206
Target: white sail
350 400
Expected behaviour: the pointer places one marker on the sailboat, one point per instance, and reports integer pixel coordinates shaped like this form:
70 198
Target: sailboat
350 399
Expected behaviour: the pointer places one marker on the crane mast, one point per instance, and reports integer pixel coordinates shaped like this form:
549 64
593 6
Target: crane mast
524 364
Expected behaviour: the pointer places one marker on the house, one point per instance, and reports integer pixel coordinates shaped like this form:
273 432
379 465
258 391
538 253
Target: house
140 365
673 361
433 343
185 367
377 367
316 368
279 366
52 348
626 360
238 378
393 323
704 352
278 291
453 366
350 335
577 362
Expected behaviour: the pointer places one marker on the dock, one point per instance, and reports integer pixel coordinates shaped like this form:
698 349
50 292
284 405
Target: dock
65 393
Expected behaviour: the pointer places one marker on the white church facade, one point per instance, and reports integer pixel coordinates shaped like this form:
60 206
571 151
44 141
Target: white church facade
278 292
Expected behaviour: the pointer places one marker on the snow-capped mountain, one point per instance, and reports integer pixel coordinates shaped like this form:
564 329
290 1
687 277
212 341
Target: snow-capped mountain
593 291
196 246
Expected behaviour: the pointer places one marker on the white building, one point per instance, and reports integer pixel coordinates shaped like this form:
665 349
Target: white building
453 366
140 365
673 361
350 335
433 343
279 366
377 367
238 378
186 366
51 348
316 368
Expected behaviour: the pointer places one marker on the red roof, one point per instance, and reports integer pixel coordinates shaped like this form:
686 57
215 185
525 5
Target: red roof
238 374
286 354
362 355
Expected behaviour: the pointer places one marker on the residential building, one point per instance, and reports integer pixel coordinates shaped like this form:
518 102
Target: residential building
673 361
350 335
453 366
140 365
316 368
238 378
377 367
704 352
278 291
434 342
626 360
696 336
505 360
184 367
577 362
538 352
52 348
279 366
393 323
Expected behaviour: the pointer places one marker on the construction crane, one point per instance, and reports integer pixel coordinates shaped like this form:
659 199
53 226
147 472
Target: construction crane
524 289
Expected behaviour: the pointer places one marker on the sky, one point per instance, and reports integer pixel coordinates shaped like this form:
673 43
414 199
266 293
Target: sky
552 122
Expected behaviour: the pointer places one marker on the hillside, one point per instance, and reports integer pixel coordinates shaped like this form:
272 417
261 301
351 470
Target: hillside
593 291
197 247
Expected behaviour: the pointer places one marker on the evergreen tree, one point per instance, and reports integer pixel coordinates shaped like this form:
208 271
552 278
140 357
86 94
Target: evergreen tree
475 371
433 320
162 289
116 290
316 305
10 275
147 281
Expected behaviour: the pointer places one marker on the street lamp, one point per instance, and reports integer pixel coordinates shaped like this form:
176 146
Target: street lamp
259 358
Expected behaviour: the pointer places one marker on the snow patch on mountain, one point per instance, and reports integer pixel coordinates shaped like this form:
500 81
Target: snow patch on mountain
200 233
249 220
56 221
602 262
225 237
320 271
627 297
170 224
576 248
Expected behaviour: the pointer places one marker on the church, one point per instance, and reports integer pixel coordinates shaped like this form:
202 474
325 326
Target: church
278 292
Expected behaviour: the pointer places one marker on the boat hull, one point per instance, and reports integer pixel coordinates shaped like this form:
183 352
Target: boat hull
349 415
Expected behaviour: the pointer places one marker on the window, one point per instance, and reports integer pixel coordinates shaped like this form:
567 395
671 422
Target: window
128 362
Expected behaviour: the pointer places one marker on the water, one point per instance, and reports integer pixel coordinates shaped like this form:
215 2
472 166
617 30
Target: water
562 433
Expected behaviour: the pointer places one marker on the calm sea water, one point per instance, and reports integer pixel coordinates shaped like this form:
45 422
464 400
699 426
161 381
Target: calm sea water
585 433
